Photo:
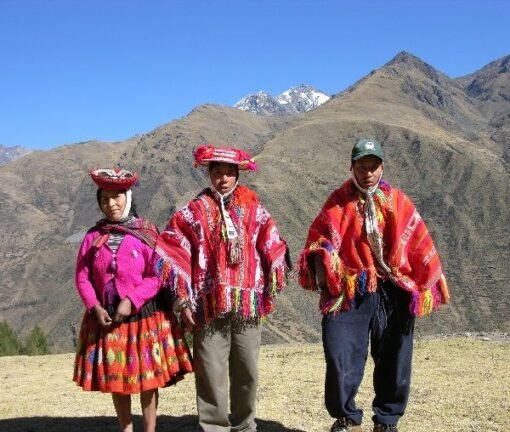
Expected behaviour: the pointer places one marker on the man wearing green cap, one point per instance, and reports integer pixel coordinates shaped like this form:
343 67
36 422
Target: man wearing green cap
371 257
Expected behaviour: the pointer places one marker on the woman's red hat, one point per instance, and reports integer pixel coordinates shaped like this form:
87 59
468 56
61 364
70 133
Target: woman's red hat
113 178
206 153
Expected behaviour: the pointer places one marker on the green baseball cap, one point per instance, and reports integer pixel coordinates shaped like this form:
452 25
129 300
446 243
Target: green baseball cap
367 147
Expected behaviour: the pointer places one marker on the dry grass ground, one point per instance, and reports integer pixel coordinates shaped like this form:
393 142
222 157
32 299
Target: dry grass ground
458 385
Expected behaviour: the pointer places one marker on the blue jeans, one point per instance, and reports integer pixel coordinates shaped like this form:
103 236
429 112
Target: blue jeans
384 319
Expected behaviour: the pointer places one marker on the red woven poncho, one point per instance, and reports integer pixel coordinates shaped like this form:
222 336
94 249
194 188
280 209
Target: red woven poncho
193 258
337 235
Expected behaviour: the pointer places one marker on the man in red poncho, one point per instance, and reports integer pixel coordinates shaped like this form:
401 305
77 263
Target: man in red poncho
371 257
225 262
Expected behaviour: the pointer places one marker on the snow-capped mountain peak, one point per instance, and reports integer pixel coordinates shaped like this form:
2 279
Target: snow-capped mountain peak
298 99
302 98
260 103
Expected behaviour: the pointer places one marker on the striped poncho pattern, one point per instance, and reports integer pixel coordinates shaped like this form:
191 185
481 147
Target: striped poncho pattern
338 236
193 258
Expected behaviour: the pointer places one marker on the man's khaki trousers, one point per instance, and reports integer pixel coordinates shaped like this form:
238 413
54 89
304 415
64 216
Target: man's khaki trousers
226 354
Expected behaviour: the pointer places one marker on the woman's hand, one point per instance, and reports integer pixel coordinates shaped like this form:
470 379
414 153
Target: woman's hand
102 316
123 310
187 318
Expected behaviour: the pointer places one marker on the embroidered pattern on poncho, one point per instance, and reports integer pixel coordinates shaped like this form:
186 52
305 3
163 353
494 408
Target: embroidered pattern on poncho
337 235
193 253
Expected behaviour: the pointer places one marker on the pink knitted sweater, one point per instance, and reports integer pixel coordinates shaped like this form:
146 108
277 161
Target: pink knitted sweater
134 277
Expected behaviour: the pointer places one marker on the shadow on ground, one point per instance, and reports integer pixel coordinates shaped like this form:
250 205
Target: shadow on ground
109 424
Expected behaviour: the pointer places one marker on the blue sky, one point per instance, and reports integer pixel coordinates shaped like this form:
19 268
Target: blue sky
73 70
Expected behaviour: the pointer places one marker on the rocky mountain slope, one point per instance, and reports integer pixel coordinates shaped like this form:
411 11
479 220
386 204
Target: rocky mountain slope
489 90
442 148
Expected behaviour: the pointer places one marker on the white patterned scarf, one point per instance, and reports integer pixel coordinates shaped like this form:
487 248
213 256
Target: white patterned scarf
234 254
371 223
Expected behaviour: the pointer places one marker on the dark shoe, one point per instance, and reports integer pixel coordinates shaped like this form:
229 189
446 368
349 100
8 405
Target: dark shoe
385 428
345 425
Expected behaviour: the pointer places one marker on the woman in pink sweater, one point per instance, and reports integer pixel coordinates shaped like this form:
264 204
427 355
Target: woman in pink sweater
129 342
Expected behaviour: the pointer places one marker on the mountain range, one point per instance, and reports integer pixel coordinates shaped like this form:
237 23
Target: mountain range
446 144
300 99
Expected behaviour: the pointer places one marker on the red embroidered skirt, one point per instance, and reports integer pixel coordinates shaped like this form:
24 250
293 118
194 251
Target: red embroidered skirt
145 352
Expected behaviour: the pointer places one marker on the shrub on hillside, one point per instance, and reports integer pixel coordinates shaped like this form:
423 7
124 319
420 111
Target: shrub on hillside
9 343
36 343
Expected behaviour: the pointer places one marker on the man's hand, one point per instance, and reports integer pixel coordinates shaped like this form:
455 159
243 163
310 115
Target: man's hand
123 310
320 272
102 316
187 318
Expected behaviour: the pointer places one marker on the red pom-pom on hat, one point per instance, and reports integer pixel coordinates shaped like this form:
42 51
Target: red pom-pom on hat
113 178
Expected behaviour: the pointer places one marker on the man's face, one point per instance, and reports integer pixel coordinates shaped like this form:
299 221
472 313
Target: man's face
367 170
223 177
